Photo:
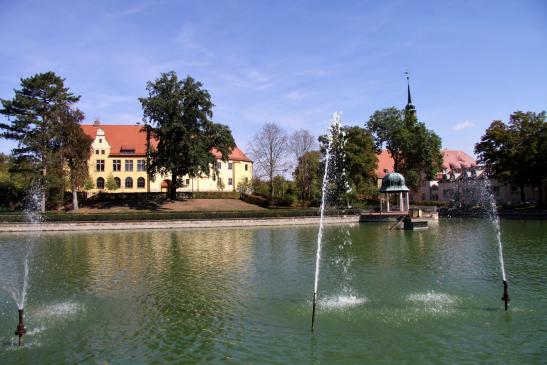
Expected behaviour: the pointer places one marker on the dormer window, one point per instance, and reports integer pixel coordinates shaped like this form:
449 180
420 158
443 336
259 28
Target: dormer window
100 140
127 150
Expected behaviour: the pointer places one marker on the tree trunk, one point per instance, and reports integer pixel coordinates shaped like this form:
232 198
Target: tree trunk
74 196
43 191
173 187
522 197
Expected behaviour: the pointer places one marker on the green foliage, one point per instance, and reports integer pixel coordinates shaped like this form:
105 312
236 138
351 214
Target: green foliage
244 186
220 184
516 152
110 183
178 114
88 184
414 148
13 185
36 125
361 159
307 176
157 216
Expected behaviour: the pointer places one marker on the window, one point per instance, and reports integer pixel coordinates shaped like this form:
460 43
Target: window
96 152
129 166
118 182
230 181
99 165
140 165
102 152
116 165
128 182
246 179
100 183
187 182
246 167
230 165
140 182
100 140
219 165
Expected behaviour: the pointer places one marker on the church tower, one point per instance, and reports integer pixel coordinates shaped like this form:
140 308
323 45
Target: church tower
409 108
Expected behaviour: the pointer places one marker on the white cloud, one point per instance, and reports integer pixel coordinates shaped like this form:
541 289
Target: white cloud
463 125
295 96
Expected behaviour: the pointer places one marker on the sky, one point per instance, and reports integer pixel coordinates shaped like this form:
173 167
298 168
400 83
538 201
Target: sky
289 62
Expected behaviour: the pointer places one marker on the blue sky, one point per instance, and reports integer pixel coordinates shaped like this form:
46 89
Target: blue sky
290 62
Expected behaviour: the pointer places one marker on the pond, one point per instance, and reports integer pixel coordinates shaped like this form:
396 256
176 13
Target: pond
233 296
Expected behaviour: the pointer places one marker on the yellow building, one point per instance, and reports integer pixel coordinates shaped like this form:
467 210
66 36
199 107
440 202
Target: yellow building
119 152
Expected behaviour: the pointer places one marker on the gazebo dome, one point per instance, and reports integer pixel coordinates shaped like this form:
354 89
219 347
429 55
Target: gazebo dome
393 183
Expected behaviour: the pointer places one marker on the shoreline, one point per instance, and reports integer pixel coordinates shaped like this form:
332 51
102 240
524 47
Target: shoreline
172 224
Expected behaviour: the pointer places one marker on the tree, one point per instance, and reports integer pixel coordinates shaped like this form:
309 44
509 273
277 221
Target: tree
110 183
75 147
361 159
35 127
178 114
332 148
516 152
269 149
414 148
300 143
306 175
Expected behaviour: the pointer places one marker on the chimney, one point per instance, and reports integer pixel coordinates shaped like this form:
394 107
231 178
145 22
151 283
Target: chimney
96 122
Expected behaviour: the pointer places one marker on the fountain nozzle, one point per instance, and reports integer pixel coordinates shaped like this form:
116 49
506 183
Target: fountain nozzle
505 296
313 310
21 330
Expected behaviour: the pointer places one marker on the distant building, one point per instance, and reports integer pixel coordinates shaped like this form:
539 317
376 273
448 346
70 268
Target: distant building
120 151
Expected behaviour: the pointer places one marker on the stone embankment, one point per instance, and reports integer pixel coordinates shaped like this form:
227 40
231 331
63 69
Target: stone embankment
176 224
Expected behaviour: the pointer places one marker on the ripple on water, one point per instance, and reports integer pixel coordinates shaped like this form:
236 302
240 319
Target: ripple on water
433 302
65 309
341 302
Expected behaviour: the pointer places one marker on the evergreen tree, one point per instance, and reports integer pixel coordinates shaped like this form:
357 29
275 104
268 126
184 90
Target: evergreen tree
178 114
35 125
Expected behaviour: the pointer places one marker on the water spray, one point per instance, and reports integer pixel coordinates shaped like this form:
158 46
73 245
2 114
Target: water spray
505 296
21 330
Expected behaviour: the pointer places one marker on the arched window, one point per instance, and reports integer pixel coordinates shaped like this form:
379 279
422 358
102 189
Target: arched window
128 182
118 182
100 183
140 182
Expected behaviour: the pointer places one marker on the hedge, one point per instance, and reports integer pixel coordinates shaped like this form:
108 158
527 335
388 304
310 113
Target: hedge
149 216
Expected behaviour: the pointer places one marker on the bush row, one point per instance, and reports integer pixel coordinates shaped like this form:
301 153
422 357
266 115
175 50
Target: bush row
146 216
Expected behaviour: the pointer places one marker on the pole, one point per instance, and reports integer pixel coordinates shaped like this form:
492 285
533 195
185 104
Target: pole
505 296
21 330
313 310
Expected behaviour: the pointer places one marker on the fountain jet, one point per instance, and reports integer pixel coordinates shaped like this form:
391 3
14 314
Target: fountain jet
505 296
21 330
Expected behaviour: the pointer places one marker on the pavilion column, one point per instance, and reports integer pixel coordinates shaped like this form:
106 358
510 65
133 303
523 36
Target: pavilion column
401 202
387 202
407 201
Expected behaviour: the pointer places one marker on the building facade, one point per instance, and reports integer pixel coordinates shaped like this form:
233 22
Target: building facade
119 155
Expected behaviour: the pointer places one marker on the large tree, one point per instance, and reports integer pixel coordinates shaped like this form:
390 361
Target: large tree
300 143
35 125
177 113
269 149
516 152
307 175
75 150
414 148
361 158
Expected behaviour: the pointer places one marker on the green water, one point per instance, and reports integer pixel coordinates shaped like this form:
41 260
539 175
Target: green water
243 296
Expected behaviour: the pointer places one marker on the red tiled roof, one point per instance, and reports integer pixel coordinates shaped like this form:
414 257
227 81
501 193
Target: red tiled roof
385 162
128 137
453 159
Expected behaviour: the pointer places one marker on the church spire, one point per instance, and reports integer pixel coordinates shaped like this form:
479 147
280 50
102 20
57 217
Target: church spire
409 108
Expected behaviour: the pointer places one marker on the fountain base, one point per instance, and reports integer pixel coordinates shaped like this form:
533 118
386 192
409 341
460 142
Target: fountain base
505 296
21 330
